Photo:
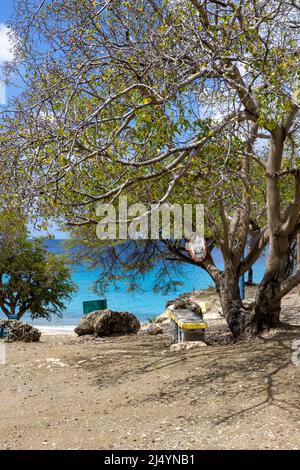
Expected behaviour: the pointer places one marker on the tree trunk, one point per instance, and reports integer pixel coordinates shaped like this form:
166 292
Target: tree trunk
298 256
249 281
4 309
265 313
236 316
267 306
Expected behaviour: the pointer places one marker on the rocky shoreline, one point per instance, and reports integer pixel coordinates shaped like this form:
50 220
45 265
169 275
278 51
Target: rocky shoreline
217 328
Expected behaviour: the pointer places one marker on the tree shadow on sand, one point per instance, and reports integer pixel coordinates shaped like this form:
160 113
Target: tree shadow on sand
244 377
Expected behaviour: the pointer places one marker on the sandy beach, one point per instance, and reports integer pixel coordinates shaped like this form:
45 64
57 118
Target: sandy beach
132 392
57 330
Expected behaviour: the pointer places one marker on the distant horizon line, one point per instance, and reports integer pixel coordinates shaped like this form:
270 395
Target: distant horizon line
45 238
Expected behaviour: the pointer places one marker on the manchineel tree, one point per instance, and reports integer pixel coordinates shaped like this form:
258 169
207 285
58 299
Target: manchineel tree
114 102
32 280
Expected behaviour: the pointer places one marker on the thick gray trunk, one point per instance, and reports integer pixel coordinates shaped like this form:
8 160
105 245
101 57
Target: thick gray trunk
236 316
265 313
267 306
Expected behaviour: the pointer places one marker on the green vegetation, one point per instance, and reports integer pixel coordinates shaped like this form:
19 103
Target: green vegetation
31 279
165 101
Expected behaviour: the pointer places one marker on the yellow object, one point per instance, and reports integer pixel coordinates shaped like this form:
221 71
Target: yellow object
204 306
186 325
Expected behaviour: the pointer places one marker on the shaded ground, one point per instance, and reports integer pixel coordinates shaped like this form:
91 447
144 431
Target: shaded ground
131 393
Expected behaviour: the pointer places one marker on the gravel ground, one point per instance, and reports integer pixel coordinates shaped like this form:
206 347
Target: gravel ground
133 393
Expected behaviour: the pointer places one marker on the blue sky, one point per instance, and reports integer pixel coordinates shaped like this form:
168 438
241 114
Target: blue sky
6 10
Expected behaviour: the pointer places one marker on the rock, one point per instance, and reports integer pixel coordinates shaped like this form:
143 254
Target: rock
163 319
189 295
151 329
187 345
107 323
116 323
87 323
18 331
212 316
186 304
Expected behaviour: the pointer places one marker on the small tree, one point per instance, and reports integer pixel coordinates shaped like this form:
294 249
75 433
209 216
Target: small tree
31 279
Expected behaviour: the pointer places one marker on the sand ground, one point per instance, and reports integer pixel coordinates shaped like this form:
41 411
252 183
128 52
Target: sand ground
133 393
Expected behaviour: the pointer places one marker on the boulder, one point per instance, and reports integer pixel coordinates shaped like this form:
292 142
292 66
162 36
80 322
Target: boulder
187 345
163 319
15 330
121 323
87 323
186 304
151 329
107 323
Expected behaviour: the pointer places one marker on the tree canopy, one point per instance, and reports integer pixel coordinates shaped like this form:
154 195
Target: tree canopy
169 101
31 279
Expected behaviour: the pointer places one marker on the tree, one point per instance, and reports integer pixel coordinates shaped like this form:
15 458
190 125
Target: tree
115 100
31 279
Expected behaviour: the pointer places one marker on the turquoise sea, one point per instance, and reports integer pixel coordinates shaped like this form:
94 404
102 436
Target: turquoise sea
143 305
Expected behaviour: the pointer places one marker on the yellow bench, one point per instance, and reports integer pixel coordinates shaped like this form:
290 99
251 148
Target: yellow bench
186 325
